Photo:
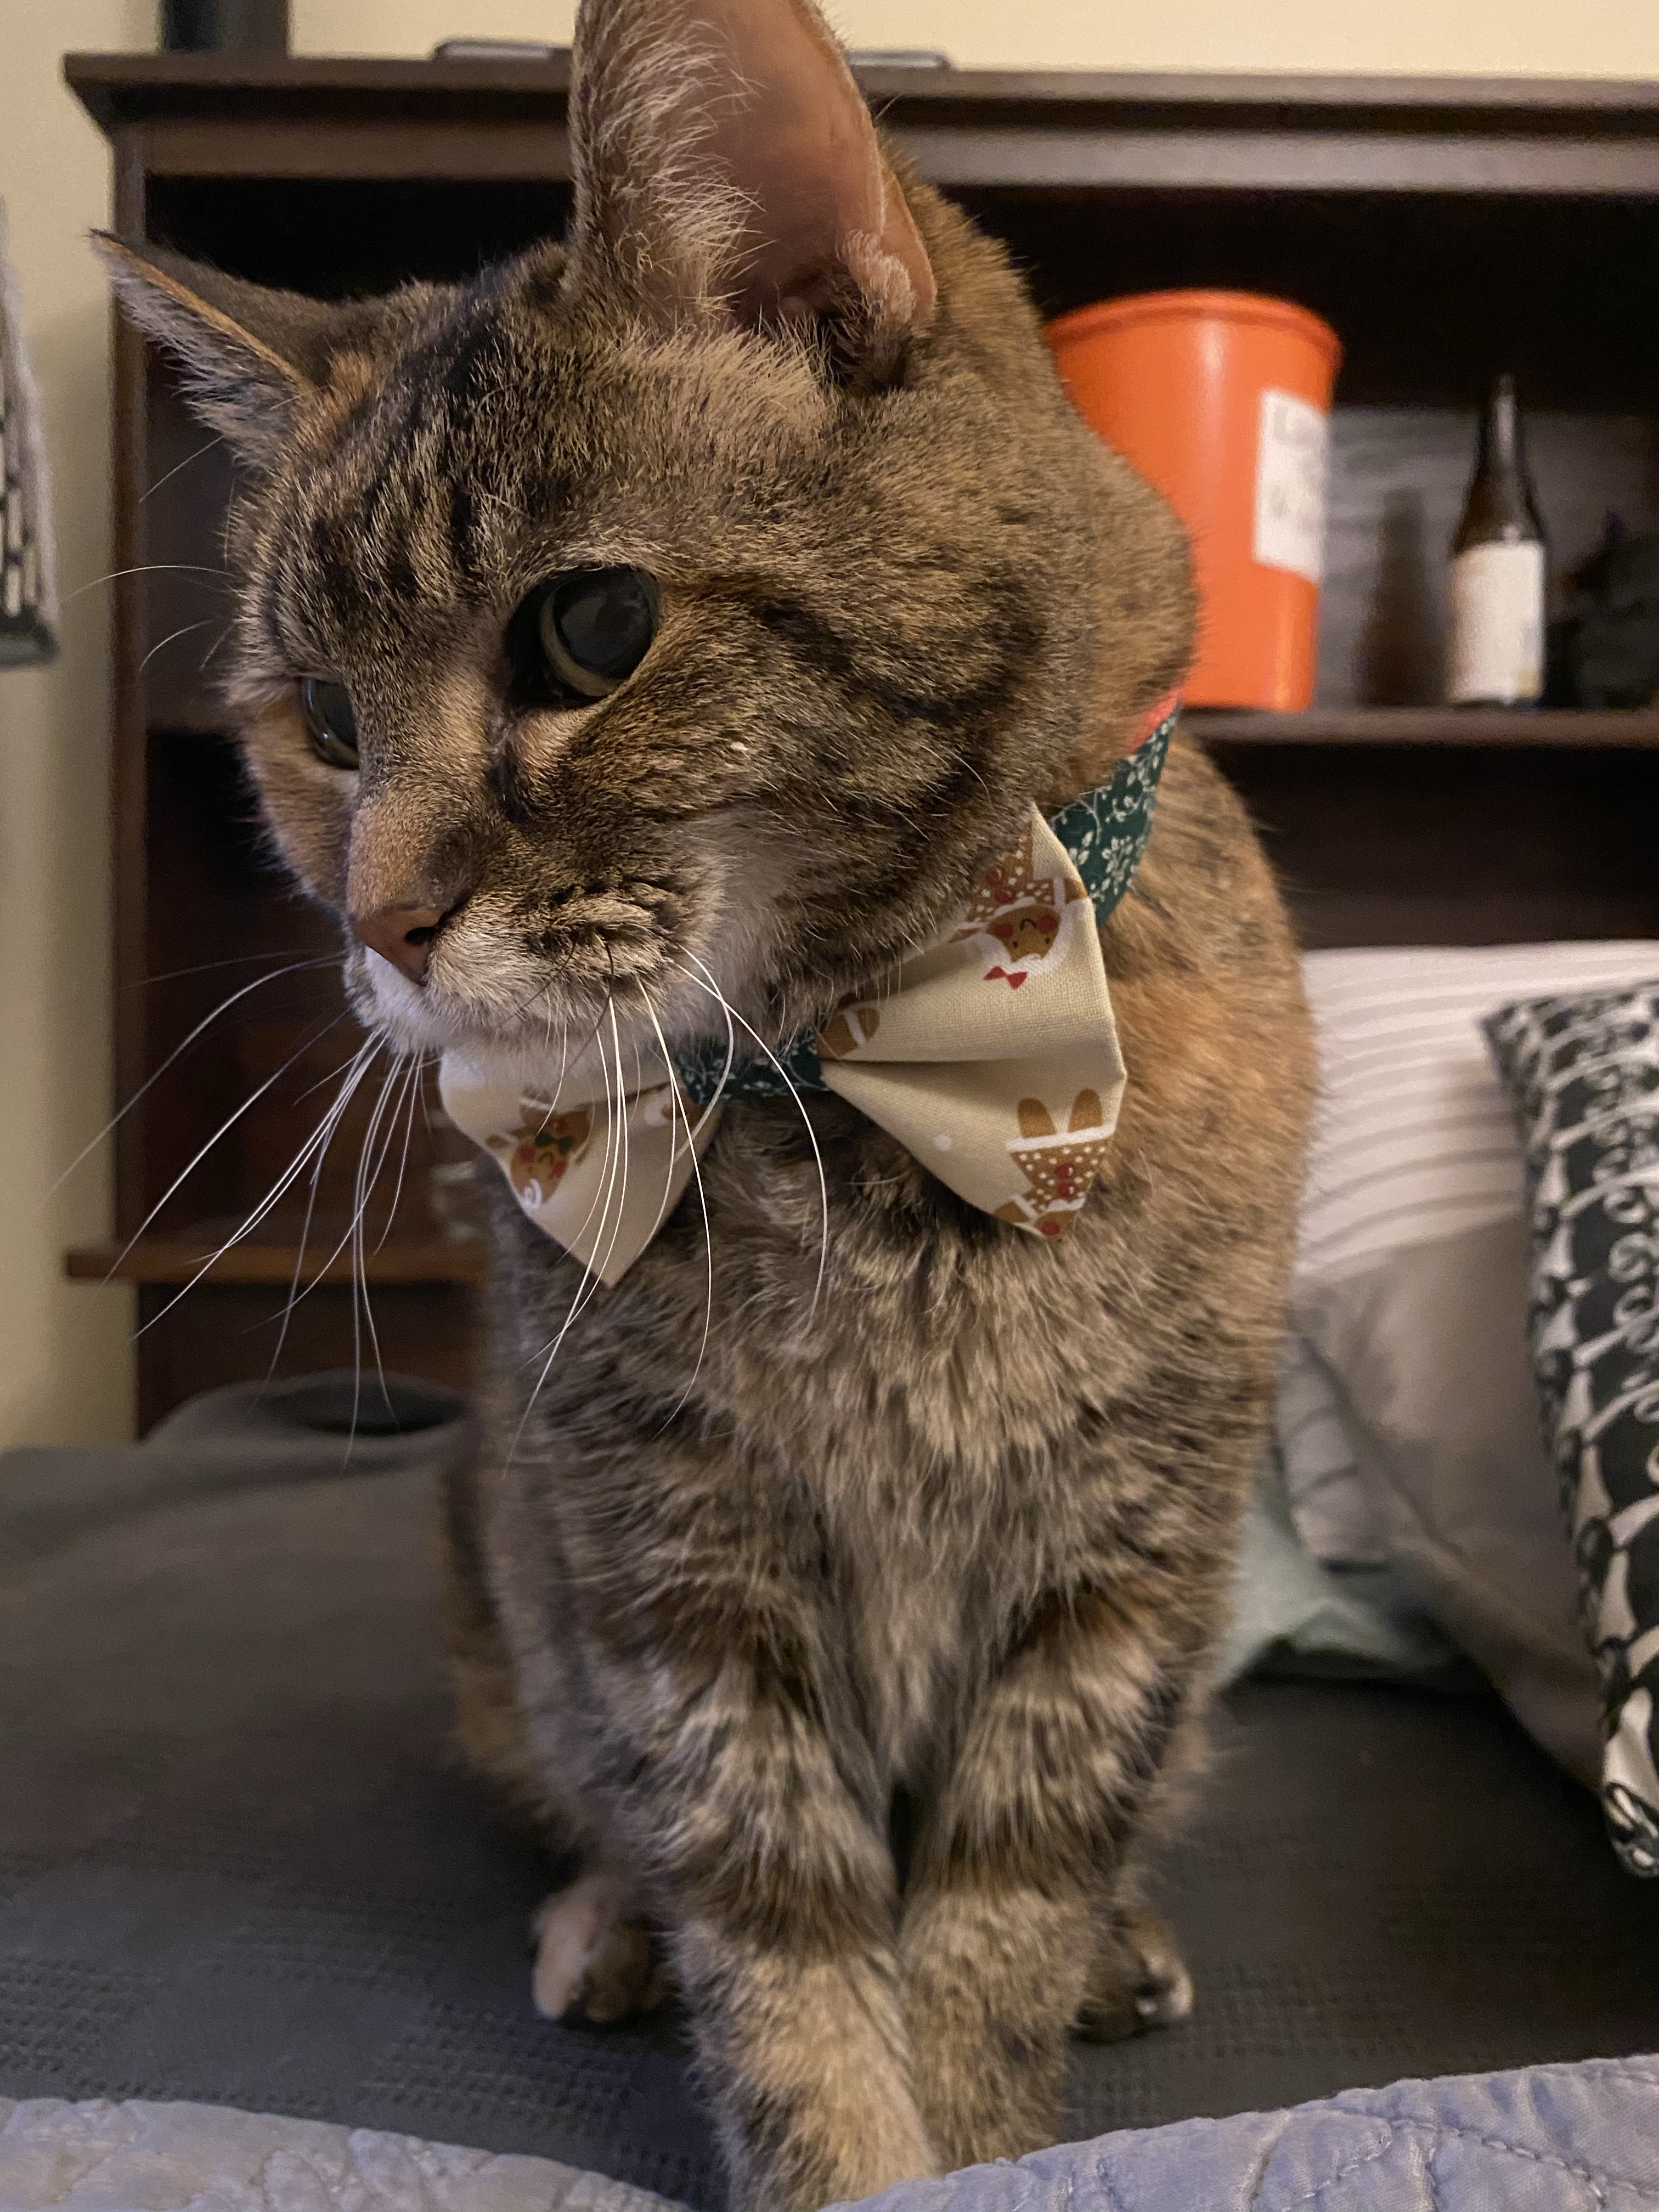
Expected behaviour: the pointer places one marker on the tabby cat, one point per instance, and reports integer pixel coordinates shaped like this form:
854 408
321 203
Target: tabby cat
699 606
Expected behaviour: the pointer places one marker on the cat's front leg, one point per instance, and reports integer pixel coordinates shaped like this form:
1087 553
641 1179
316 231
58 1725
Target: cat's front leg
804 2048
777 1891
1015 1867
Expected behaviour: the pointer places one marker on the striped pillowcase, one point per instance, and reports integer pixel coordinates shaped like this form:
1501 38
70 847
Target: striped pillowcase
1413 1140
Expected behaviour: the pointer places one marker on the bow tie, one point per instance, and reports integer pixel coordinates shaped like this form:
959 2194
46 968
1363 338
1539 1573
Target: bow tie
992 1055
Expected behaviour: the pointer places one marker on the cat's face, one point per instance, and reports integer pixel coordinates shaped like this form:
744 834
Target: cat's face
750 788
690 613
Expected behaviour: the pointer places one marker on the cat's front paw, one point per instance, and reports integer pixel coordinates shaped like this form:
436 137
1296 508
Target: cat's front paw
1139 1981
592 1954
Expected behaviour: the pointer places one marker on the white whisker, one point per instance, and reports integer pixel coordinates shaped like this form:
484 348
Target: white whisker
367 1177
413 1094
677 1104
239 960
613 1186
227 631
374 1047
357 1068
601 1199
147 569
183 630
729 1064
624 1098
206 1022
732 1015
224 1129
591 1279
177 465
272 1198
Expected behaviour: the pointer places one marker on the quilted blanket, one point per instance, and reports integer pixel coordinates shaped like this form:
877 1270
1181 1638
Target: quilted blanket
98 2156
1583 2138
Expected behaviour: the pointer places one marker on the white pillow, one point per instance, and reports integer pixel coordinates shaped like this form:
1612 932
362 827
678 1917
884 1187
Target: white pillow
1409 1425
1333 1512
1430 1351
1413 1141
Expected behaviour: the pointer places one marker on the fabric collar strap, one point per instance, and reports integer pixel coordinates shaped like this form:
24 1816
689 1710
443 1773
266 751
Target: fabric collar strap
1106 833
992 1056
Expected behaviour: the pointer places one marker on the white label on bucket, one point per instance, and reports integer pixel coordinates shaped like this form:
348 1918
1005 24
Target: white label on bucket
1292 456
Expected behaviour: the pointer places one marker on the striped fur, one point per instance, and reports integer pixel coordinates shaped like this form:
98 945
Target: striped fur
763 1572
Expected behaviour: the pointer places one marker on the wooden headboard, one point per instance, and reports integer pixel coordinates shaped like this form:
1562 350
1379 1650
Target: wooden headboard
1447 230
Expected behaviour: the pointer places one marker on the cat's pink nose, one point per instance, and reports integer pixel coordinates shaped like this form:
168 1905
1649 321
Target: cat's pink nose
401 934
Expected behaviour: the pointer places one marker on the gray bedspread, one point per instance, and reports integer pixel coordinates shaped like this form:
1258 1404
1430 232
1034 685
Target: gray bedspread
1580 2138
239 1864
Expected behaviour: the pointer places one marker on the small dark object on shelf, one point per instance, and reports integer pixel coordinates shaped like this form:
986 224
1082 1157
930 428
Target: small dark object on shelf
533 50
204 27
1604 647
497 50
898 57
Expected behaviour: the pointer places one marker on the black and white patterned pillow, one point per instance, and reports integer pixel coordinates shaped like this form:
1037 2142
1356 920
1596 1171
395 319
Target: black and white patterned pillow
1583 1075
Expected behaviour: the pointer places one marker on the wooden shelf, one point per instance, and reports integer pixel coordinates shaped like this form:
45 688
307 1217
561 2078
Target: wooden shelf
415 1255
1445 228
218 115
120 90
1449 727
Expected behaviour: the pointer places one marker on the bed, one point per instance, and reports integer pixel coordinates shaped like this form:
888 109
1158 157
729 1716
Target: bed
240 1869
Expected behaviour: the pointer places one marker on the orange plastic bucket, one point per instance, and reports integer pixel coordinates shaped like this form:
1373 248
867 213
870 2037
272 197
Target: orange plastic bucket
1222 399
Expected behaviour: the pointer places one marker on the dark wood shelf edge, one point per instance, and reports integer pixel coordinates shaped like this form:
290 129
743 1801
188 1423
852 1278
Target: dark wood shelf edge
126 88
1450 728
168 1260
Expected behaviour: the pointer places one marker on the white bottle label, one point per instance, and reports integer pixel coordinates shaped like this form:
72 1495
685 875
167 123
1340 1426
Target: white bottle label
1496 650
1292 454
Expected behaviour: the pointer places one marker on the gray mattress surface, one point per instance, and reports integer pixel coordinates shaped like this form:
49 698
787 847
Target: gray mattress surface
239 1865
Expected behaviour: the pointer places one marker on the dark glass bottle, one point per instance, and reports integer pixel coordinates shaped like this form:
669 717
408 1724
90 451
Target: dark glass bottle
1495 650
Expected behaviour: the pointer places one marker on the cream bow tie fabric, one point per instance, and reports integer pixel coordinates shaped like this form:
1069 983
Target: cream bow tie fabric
993 1056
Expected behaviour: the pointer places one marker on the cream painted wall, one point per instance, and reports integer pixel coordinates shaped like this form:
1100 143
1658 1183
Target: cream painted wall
65 1361
64 1349
1561 37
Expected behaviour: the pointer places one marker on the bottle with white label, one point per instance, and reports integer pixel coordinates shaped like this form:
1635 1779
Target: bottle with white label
1495 652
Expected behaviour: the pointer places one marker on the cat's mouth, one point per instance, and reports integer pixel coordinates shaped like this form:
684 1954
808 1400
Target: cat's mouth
524 1020
642 963
521 1004
516 969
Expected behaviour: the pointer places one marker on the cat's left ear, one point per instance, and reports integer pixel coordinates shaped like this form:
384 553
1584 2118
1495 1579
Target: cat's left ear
253 357
723 159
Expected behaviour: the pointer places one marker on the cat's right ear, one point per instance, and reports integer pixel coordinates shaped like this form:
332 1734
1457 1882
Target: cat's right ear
252 357
725 164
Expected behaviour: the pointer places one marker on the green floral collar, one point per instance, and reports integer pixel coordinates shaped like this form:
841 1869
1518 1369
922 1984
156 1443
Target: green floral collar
1106 832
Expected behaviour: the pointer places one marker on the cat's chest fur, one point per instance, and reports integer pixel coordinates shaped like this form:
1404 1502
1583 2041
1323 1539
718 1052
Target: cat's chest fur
888 1453
904 1599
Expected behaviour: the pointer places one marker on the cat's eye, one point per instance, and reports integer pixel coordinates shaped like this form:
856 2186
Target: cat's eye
331 721
595 626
